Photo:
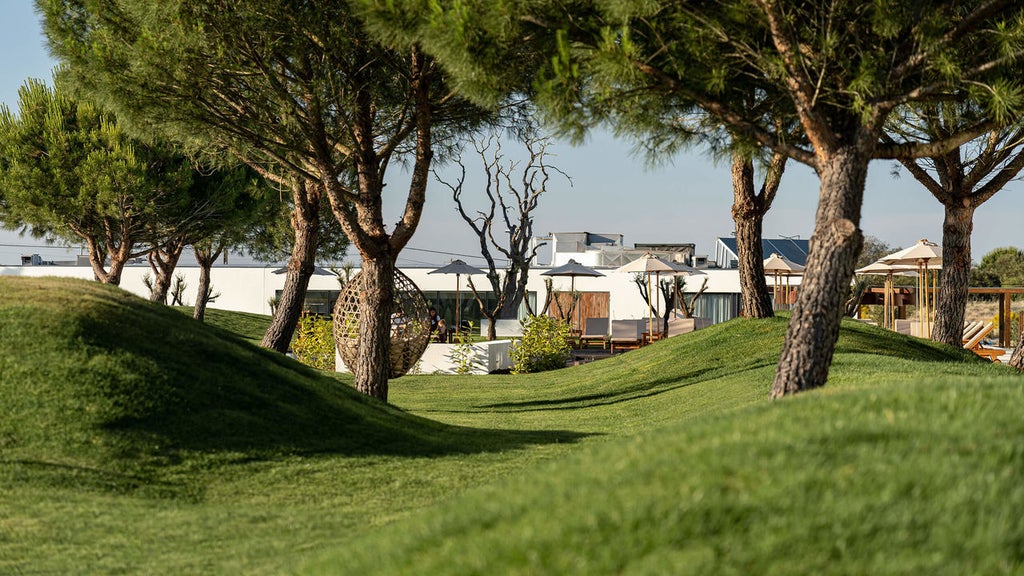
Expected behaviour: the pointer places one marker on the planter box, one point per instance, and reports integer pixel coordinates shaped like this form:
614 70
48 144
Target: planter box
486 357
502 328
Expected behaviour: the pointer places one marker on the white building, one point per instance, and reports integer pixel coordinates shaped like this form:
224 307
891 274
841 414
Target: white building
614 295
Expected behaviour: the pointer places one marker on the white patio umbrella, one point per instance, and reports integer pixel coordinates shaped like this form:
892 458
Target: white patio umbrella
457 267
572 269
648 264
880 268
780 266
927 256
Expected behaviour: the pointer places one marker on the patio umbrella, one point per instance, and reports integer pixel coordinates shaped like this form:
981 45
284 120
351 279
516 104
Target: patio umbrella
457 267
927 256
572 269
647 264
684 270
880 268
781 266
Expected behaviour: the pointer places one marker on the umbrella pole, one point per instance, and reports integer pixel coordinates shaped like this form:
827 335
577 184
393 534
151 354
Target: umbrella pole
458 304
650 308
572 289
886 302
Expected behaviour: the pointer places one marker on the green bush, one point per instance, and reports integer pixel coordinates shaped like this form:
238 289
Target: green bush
314 341
544 345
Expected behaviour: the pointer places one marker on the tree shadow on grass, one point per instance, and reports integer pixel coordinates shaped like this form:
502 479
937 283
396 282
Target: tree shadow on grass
620 394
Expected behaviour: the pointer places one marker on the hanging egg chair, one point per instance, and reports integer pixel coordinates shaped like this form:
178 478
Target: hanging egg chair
410 327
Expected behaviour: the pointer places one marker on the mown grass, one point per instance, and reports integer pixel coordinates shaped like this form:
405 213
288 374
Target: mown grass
142 442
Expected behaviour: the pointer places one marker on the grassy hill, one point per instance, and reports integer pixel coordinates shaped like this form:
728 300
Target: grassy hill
135 440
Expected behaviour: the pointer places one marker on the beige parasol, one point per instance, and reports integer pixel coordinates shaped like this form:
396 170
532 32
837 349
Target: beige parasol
927 256
880 268
648 264
780 266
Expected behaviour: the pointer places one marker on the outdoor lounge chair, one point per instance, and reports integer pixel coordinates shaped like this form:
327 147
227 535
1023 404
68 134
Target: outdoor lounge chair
970 329
595 332
679 325
625 335
975 345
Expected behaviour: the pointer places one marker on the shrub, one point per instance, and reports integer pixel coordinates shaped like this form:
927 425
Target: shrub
543 347
463 355
314 341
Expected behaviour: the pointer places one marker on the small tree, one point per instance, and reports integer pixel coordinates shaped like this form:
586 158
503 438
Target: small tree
70 171
544 345
510 205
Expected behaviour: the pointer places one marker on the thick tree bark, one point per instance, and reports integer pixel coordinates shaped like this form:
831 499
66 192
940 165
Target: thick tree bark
834 246
1017 358
376 304
748 210
956 271
748 215
306 224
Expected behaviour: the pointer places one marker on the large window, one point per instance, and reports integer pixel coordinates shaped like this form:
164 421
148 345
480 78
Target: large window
717 307
322 302
469 311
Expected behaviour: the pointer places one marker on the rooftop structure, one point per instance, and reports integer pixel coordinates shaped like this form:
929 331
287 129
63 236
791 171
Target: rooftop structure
609 251
793 249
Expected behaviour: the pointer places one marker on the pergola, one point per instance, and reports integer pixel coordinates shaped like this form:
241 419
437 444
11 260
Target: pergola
1005 294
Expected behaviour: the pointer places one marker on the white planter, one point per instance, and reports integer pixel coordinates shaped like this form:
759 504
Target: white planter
485 357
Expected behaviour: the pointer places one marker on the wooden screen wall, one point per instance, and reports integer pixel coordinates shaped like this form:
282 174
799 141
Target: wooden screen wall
592 305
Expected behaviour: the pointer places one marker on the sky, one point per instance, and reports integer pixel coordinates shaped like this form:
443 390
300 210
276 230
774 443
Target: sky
687 198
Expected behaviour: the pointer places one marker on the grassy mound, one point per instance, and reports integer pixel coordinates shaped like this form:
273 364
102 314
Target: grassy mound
97 382
135 440
249 326
909 461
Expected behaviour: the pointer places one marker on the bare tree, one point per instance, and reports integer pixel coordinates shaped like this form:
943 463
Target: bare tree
513 190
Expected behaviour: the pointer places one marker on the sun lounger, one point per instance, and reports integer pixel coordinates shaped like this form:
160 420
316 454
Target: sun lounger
975 345
625 335
595 332
678 325
970 329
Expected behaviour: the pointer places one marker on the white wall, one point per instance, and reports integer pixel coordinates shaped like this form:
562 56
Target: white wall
248 289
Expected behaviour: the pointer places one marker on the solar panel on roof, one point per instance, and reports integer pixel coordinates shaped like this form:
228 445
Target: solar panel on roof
789 248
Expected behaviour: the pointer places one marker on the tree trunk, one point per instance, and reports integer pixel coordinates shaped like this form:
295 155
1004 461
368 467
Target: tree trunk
205 257
748 210
163 264
376 303
306 224
834 246
515 291
97 259
492 330
956 271
1017 358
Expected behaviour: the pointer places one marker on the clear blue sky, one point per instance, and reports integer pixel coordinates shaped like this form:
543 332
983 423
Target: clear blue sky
685 200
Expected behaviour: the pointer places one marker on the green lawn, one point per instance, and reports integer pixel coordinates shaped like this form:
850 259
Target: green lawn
135 440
